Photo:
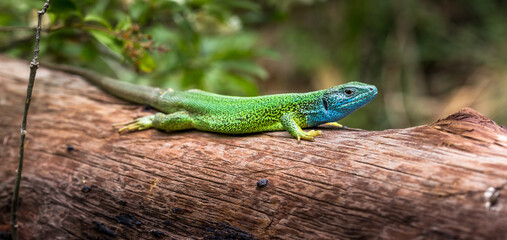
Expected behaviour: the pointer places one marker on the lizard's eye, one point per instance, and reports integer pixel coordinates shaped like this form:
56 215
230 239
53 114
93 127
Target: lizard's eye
349 92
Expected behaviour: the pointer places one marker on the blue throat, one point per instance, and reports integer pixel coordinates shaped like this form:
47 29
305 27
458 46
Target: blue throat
325 112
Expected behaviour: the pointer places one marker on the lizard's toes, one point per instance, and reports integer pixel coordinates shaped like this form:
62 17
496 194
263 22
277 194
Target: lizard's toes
138 124
311 134
336 124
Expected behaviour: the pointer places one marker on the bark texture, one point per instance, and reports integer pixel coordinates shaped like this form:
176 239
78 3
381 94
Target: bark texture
83 180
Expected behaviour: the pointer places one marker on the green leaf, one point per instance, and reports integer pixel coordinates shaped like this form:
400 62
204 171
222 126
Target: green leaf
146 63
217 80
88 52
62 6
124 24
268 53
98 19
138 10
191 78
240 4
63 10
211 80
107 39
245 67
248 87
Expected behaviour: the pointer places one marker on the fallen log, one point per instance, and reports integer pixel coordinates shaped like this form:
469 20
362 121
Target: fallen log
83 180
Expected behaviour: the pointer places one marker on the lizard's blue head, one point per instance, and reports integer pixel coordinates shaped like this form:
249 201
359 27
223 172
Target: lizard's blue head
342 100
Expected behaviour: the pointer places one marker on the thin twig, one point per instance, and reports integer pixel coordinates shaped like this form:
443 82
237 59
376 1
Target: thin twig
34 64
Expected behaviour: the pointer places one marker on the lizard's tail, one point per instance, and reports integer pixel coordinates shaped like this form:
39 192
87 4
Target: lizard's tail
127 91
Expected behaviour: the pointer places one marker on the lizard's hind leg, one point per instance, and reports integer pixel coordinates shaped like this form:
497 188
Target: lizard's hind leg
173 122
168 122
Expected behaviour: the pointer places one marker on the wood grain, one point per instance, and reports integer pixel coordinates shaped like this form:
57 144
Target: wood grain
83 180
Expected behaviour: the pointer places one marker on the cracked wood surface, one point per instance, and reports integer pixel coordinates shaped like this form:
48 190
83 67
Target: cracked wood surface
83 180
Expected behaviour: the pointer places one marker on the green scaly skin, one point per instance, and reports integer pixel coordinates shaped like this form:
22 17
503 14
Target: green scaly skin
195 109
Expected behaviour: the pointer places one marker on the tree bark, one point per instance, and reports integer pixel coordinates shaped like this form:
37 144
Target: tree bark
83 180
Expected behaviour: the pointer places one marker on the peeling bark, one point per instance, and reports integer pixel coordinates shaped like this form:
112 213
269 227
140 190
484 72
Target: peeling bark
83 180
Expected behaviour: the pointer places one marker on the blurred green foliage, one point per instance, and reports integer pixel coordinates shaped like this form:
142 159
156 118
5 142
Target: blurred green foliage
428 58
178 44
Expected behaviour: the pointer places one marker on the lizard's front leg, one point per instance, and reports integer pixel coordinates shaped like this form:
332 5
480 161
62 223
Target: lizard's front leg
168 122
291 126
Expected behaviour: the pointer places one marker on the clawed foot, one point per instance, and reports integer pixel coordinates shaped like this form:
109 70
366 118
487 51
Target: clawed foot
136 125
336 124
309 135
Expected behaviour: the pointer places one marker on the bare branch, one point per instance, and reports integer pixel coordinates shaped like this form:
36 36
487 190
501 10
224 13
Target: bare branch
34 65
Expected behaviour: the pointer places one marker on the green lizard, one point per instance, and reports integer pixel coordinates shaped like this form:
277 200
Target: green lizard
235 115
